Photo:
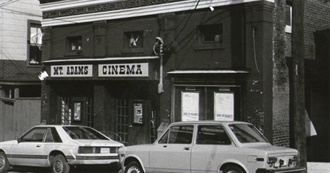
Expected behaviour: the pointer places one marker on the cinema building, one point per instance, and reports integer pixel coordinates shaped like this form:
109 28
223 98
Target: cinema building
131 67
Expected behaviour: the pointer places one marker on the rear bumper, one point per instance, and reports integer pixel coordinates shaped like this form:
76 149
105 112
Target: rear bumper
92 160
293 170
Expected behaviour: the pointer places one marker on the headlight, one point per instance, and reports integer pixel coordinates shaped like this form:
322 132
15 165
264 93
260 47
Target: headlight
293 161
271 161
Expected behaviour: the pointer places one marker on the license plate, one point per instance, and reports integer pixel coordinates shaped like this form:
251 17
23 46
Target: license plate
105 150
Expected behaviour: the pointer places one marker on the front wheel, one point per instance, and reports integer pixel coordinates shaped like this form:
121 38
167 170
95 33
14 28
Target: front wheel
60 165
133 167
233 169
4 164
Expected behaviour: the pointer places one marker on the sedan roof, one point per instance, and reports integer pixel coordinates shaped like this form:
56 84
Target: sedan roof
209 122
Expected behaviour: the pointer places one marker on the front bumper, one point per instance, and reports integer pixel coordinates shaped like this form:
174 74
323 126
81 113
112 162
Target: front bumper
291 170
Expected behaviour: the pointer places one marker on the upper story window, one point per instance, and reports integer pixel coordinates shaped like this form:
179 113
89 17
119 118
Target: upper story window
288 19
209 37
211 33
134 39
35 43
74 44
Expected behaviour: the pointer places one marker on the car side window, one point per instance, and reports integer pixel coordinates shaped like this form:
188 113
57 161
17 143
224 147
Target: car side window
52 136
178 135
49 136
34 135
212 134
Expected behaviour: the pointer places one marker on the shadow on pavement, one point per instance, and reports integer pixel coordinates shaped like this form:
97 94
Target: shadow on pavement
80 169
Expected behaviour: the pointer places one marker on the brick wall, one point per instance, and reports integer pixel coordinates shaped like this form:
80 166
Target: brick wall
317 17
12 67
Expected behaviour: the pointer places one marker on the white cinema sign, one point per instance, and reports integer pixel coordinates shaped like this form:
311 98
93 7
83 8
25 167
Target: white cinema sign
124 70
71 71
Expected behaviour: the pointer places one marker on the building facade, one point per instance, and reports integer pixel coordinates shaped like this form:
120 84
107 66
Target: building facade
133 66
20 64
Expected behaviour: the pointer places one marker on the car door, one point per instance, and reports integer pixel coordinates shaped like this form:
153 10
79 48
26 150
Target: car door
213 145
173 151
29 151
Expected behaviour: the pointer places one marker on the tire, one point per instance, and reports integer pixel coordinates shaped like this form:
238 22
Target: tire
4 164
133 167
233 169
59 164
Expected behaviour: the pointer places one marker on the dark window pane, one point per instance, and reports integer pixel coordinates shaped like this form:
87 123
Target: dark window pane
212 33
212 134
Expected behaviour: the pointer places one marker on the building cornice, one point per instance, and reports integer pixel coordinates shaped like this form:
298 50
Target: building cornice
77 11
89 60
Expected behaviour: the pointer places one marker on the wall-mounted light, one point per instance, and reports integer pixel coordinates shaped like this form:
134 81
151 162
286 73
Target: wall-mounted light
43 75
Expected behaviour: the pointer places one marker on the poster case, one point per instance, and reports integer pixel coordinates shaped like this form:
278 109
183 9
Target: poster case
224 106
189 106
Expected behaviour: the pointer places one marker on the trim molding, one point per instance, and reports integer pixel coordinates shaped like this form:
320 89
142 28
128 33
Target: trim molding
184 5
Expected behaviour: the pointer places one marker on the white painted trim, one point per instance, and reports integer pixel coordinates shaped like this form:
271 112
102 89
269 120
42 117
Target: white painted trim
59 5
129 12
103 59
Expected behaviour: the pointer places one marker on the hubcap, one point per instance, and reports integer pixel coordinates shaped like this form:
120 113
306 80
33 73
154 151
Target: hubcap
233 172
58 166
133 170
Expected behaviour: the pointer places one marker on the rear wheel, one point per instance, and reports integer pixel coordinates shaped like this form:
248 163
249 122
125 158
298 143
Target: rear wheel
233 169
133 167
60 165
4 164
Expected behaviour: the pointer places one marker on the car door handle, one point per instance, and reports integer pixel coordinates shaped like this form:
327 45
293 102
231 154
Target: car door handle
38 146
164 146
186 148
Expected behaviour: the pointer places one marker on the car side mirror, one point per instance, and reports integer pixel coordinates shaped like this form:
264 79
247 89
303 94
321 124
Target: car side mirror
19 140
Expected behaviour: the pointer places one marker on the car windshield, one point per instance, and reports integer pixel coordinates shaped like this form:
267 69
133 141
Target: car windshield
247 133
83 133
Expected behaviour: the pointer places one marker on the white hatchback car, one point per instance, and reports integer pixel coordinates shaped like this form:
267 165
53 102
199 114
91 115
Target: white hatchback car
209 147
58 147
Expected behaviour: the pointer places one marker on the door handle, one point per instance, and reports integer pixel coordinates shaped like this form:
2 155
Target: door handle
164 146
38 146
186 148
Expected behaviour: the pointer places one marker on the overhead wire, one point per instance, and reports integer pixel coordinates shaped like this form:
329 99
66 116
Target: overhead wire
8 2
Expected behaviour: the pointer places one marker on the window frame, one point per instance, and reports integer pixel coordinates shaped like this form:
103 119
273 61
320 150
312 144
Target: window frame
203 44
28 59
70 40
229 142
128 36
208 28
288 28
167 135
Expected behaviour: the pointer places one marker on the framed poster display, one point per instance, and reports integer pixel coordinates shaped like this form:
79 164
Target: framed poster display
77 111
224 106
189 106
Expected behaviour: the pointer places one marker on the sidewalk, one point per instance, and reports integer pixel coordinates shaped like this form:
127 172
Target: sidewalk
318 167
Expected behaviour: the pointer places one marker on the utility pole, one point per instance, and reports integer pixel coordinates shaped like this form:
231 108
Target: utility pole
298 76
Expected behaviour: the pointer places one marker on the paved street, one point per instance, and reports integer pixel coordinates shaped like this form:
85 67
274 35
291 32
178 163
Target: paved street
313 167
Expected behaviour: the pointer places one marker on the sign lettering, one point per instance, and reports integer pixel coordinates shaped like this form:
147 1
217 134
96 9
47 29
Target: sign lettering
124 70
71 71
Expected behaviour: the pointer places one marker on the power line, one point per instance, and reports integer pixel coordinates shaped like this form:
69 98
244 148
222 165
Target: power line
8 2
22 13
